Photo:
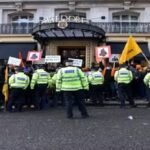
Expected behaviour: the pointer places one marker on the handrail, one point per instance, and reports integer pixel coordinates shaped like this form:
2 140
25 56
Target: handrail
108 27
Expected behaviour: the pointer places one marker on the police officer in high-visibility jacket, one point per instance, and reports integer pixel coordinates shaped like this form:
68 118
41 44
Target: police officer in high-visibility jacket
96 80
124 77
18 84
72 82
40 82
147 84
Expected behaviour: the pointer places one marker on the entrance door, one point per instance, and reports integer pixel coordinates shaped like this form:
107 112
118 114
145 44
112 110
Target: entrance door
72 52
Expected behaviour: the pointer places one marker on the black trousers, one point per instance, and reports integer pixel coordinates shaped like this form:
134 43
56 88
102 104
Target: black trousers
97 94
125 93
78 97
17 98
40 96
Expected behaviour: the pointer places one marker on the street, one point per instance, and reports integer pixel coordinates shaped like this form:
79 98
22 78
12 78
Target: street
108 128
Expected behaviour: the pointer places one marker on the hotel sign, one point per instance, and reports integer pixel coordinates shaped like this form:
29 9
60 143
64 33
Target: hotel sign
63 20
62 24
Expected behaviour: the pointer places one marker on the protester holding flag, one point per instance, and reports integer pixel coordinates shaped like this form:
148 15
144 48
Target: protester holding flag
3 84
130 50
5 90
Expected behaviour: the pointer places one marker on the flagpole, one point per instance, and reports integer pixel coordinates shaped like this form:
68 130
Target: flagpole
146 58
114 64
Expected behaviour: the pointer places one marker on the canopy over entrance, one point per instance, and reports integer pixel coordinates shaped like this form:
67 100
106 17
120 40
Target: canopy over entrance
68 30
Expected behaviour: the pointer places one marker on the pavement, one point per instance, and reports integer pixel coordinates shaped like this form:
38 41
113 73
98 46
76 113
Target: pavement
108 128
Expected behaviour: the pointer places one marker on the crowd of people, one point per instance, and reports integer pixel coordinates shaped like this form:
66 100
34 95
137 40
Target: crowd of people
40 86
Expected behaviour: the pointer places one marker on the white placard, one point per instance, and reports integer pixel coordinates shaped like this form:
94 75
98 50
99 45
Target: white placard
76 62
40 62
14 61
114 58
52 59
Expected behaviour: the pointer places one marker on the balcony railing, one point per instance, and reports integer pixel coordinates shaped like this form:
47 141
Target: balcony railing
23 28
124 27
108 27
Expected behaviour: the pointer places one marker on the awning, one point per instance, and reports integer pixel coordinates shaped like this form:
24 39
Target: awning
13 49
73 30
117 47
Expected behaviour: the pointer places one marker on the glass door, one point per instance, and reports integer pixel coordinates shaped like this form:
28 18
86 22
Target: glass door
72 52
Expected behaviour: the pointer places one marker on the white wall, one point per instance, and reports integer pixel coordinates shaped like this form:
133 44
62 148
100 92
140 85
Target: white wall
96 14
44 12
1 14
146 15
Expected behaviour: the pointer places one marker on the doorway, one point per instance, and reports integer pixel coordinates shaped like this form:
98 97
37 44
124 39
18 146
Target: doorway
75 52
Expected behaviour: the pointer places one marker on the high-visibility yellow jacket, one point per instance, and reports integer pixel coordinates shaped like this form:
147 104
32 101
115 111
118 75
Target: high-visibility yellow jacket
40 77
96 78
19 80
123 75
54 78
147 80
71 79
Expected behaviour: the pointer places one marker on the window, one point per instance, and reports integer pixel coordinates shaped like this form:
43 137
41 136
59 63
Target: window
134 18
22 19
125 21
116 18
125 17
22 22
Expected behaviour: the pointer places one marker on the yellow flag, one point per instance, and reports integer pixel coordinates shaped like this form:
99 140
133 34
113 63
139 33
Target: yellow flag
130 50
5 86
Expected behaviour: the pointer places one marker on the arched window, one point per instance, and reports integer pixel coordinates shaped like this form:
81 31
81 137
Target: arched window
22 22
125 21
21 17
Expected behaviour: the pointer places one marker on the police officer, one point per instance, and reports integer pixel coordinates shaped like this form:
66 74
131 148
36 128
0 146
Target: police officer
96 80
147 83
40 81
58 96
18 83
72 82
124 77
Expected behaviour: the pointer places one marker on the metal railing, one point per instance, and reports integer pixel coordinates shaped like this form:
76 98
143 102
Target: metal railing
23 28
108 27
124 27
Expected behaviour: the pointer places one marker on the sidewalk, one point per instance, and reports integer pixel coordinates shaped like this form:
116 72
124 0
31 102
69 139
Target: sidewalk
116 102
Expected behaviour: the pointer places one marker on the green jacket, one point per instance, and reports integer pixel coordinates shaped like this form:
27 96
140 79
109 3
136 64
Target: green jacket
123 75
19 80
40 77
147 80
71 79
96 78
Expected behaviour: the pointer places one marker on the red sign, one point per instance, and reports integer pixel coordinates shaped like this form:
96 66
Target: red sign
34 55
102 52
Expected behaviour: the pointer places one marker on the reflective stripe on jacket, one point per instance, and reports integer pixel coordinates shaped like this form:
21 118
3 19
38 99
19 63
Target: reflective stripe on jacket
71 79
123 75
19 80
96 78
40 77
147 80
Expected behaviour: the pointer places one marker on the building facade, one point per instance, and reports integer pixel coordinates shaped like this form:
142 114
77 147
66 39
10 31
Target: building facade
21 21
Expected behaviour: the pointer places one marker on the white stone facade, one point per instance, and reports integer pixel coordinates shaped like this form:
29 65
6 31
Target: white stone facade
128 12
95 10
